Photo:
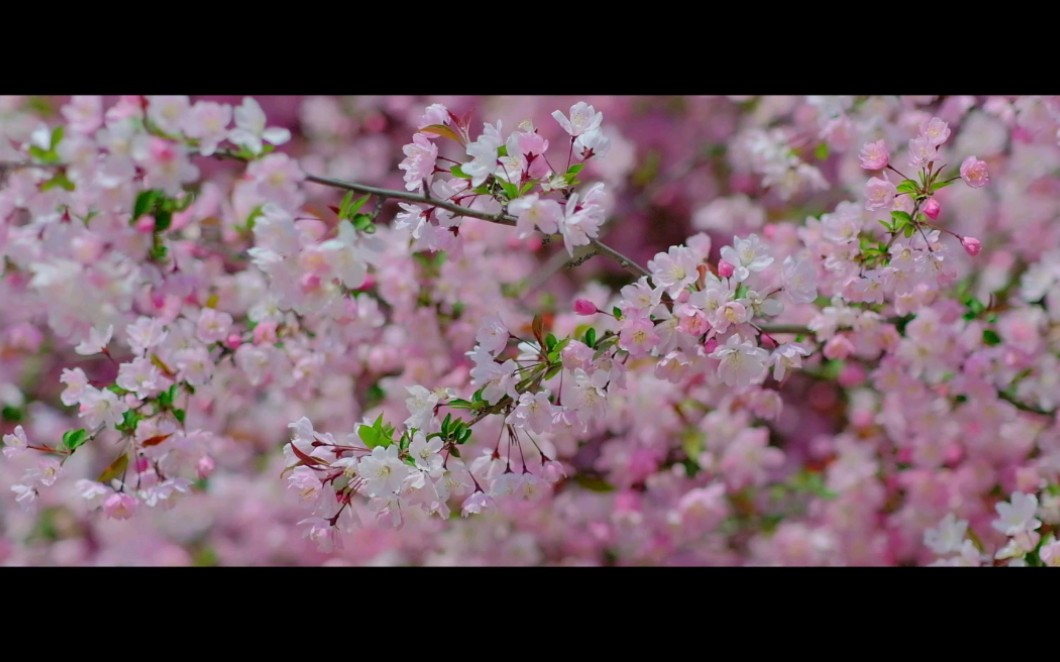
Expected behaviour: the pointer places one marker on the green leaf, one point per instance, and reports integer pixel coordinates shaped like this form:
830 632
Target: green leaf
363 222
909 230
458 403
74 439
937 185
163 219
907 186
60 180
502 150
369 435
887 226
40 154
464 435
179 414
129 420
575 169
511 191
459 172
590 337
253 217
344 206
901 218
57 136
166 398
821 152
356 205
553 371
145 202
550 342
617 312
991 338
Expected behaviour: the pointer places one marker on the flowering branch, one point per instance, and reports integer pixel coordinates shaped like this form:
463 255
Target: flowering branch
500 218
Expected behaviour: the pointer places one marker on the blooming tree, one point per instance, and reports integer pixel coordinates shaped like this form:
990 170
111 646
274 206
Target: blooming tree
820 330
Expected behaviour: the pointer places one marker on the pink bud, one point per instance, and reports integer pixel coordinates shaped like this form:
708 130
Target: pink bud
725 269
585 307
205 466
711 345
146 224
972 246
234 341
142 464
931 208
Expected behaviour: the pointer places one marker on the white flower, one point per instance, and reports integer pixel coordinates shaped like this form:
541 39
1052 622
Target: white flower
786 357
212 326
96 341
741 362
492 335
800 280
101 408
948 536
145 333
141 377
250 128
1017 515
382 471
421 404
15 443
592 143
476 503
76 381
532 212
483 153
746 255
583 118
426 454
674 270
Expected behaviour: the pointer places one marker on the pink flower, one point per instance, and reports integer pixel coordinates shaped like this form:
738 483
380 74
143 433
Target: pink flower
935 131
585 307
638 336
931 208
921 152
972 246
208 123
420 157
879 194
974 172
874 156
119 506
